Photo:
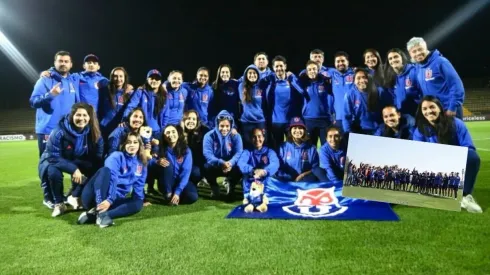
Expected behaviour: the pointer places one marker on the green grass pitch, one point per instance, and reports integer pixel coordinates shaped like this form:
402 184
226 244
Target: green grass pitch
197 239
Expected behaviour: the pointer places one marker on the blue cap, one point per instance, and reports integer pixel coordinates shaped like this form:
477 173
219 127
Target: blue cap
91 57
153 72
296 121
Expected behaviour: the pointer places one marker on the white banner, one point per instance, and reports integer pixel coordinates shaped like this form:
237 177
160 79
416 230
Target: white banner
12 138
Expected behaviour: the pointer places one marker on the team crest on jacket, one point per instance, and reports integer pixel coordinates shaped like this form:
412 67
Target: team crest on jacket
324 73
170 96
349 79
120 100
230 91
204 98
304 156
180 160
357 103
228 146
428 74
316 203
342 161
408 83
72 88
181 97
125 170
139 170
96 85
265 159
321 88
288 155
215 146
258 93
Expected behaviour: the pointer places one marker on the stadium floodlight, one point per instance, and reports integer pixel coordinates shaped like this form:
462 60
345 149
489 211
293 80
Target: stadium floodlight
17 58
454 21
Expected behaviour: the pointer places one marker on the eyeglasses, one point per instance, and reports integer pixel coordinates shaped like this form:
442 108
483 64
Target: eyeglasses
223 117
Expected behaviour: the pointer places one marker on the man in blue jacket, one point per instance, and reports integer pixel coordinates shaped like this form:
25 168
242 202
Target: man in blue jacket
53 97
437 77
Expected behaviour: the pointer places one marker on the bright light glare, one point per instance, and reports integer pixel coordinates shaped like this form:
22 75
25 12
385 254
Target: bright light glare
454 21
18 59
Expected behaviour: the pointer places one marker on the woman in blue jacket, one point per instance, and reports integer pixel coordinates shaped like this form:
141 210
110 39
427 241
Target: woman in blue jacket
435 126
253 102
221 150
75 147
298 158
332 154
194 134
113 100
363 104
318 106
176 98
106 194
132 123
173 167
152 99
226 95
200 96
401 78
395 124
375 66
259 163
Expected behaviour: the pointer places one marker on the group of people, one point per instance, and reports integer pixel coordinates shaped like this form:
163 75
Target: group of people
402 179
267 123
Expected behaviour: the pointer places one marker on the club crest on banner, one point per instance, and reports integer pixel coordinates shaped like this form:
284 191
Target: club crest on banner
316 203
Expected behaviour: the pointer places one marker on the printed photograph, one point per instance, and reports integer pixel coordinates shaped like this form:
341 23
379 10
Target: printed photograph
405 172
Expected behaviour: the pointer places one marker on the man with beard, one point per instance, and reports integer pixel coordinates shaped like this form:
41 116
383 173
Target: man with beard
342 79
436 76
395 125
53 97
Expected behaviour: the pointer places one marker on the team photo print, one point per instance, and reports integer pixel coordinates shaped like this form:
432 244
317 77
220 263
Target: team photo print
401 172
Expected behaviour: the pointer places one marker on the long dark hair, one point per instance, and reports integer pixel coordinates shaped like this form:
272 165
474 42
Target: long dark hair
93 122
127 120
390 74
378 69
371 90
304 139
444 125
247 87
218 80
141 150
181 146
160 100
113 89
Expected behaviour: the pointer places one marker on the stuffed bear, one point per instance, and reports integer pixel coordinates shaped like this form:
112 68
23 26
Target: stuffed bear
256 199
145 133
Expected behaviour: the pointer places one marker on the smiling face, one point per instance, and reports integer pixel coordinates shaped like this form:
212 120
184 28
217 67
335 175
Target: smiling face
252 75
361 80
341 64
175 80
419 52
190 123
258 139
171 135
155 81
118 78
395 60
202 77
431 111
312 71
136 119
81 118
63 64
91 66
333 139
132 145
225 74
391 117
280 69
370 60
224 127
297 132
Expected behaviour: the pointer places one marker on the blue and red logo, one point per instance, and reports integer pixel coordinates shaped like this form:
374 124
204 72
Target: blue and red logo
316 203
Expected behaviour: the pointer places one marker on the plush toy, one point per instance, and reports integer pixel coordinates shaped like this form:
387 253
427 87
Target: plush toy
145 133
256 199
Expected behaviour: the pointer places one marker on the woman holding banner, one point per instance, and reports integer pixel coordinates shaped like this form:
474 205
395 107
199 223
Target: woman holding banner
435 126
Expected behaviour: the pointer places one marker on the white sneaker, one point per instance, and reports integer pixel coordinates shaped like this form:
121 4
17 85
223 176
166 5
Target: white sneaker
226 184
469 203
48 204
59 209
74 202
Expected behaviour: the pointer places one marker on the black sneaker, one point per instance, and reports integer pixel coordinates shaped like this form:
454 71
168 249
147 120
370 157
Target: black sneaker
88 217
103 220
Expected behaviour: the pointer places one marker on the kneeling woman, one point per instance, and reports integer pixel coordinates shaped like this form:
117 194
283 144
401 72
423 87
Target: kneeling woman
106 192
173 167
221 150
298 158
259 163
74 147
433 125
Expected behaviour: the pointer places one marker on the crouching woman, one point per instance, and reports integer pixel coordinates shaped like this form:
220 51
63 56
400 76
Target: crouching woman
106 193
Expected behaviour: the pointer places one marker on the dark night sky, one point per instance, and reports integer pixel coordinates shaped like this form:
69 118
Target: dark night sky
142 35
